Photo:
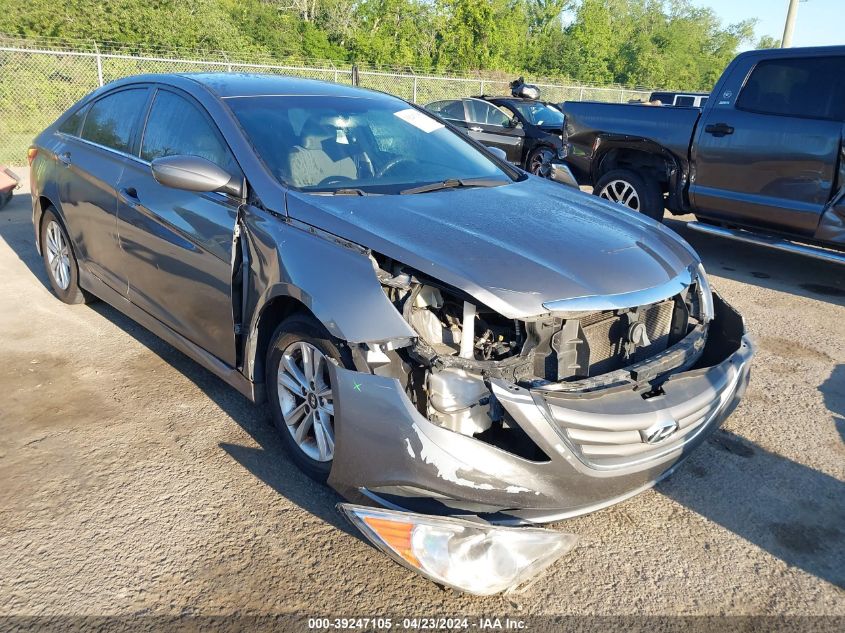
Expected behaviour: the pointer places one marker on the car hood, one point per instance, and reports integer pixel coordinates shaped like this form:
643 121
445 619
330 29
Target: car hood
512 247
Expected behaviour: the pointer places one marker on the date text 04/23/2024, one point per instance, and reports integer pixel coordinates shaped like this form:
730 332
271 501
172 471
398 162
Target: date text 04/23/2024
417 623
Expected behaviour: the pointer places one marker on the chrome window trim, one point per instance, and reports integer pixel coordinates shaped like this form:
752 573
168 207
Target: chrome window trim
111 150
137 159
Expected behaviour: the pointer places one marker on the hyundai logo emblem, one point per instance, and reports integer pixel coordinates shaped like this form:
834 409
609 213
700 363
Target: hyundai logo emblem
659 431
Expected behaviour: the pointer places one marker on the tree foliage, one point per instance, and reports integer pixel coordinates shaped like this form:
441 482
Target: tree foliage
656 43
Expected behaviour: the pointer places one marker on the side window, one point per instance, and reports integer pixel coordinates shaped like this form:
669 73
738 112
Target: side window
111 120
177 126
684 101
448 109
808 87
72 124
482 112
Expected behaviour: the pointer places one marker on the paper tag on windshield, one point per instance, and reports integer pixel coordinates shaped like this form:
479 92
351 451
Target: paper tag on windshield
419 120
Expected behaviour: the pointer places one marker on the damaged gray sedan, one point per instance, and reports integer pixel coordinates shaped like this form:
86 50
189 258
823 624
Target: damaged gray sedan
460 349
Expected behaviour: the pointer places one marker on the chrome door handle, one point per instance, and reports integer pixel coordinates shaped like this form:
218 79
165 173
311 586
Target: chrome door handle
475 128
64 158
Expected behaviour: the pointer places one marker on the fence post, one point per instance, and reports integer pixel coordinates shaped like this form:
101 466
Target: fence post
482 88
414 95
226 59
99 64
581 94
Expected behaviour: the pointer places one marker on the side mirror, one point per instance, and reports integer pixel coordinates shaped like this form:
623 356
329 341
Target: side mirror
498 152
560 173
193 173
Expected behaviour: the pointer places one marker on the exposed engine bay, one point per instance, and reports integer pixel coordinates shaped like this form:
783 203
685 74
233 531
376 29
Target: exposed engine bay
462 345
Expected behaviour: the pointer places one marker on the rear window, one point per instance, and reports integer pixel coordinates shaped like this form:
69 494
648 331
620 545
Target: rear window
112 120
808 87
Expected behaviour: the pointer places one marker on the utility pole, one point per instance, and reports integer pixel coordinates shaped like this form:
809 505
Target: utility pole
789 27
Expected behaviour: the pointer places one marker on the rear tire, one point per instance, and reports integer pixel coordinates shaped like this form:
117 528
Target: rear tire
60 260
635 191
299 392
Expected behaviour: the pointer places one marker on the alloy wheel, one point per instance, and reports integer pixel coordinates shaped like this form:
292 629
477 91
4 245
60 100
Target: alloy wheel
305 399
621 192
541 163
58 255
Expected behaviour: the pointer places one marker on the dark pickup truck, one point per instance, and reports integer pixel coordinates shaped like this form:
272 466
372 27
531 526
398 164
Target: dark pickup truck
763 161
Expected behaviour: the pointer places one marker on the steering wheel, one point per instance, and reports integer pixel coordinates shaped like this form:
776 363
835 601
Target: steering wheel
334 180
393 163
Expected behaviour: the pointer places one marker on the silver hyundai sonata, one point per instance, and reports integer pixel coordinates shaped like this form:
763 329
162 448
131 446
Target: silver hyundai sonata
457 347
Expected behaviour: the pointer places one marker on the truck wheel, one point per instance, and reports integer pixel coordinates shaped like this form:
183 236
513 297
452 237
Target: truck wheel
635 191
300 393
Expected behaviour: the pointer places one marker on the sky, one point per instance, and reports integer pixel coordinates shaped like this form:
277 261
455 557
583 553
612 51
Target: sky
819 22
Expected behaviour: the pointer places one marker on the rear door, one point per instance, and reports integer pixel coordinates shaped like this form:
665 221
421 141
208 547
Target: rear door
93 158
178 244
769 158
490 126
452 110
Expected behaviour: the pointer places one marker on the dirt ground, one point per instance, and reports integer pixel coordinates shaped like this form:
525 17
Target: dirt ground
134 482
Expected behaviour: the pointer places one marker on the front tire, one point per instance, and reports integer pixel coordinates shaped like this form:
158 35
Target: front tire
60 260
300 393
635 191
539 161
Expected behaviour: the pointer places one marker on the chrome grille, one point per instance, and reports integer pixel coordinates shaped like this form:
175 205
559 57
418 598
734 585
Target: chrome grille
613 431
614 441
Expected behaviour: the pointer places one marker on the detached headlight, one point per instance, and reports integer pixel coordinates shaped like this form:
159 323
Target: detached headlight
477 558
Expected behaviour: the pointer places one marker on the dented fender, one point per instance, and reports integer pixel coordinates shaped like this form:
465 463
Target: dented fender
334 279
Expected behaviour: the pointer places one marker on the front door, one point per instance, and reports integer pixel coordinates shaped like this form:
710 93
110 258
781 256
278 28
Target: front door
770 159
178 244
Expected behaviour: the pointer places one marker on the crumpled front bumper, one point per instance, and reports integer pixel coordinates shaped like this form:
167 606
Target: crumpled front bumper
597 442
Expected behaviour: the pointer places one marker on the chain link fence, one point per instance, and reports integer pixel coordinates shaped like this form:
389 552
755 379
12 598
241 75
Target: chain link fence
40 79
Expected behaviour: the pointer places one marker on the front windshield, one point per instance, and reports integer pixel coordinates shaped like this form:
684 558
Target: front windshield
369 145
538 113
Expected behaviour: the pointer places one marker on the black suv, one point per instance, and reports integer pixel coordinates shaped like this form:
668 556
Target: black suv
527 130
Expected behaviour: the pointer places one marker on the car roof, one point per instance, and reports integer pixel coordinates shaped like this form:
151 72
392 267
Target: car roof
507 98
227 85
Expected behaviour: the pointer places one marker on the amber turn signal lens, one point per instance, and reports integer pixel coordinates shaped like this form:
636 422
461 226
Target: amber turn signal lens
31 153
395 534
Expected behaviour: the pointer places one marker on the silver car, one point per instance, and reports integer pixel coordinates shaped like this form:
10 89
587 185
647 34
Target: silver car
451 343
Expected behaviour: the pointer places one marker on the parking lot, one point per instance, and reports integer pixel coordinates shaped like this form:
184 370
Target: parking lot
135 482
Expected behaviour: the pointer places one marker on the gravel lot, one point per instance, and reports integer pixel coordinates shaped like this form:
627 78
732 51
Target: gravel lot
134 482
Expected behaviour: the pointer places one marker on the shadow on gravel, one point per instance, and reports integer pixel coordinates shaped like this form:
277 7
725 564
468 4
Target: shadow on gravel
833 390
787 509
766 267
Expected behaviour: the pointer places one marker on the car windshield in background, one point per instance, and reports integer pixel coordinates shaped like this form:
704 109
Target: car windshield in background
539 113
359 145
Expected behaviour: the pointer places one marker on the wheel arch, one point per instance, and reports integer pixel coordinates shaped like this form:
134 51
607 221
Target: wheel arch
279 305
647 158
